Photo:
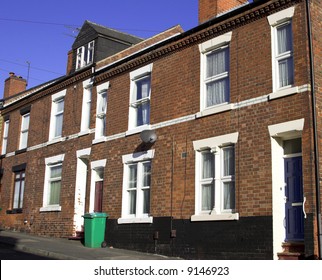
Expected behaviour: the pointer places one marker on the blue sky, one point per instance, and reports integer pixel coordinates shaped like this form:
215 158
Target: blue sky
40 33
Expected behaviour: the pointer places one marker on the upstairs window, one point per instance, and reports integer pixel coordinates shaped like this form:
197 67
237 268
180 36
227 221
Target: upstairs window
101 109
25 118
282 49
215 73
57 115
86 106
85 55
141 101
5 136
284 55
140 98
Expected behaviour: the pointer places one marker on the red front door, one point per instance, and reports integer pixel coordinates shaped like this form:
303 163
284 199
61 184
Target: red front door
98 196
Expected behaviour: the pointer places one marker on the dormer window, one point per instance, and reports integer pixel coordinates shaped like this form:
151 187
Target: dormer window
85 55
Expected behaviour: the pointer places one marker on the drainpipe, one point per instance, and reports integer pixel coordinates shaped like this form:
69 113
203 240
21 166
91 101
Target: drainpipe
315 130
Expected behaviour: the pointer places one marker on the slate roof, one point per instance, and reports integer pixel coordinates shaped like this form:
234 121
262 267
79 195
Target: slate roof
92 30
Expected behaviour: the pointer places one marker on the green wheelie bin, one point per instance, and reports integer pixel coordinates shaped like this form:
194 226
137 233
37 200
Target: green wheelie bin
94 229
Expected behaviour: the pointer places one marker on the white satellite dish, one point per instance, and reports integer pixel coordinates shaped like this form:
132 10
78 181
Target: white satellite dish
148 136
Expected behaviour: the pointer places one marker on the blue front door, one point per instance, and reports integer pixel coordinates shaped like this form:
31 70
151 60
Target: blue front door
294 216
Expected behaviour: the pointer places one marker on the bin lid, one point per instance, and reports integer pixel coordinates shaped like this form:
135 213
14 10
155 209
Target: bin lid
95 215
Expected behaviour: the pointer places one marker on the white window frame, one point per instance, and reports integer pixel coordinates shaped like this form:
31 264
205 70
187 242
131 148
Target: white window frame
220 43
5 137
80 55
24 130
135 77
138 159
86 106
215 145
85 55
90 52
51 162
100 122
56 98
277 21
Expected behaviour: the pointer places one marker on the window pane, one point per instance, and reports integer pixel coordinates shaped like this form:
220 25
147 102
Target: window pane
229 161
217 92
59 125
25 122
6 129
143 113
54 192
60 105
143 88
229 195
132 202
102 103
285 68
217 63
207 165
146 201
16 195
22 189
90 56
208 197
23 140
55 172
284 38
147 174
132 176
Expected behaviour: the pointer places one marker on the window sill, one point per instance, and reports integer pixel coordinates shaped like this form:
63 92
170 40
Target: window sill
143 220
21 151
84 132
14 211
98 140
137 129
215 217
56 140
53 208
215 110
283 92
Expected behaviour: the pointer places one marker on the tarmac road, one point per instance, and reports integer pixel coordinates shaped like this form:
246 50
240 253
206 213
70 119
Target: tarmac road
8 252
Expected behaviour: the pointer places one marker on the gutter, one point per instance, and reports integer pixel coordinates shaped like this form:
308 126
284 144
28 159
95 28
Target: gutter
315 130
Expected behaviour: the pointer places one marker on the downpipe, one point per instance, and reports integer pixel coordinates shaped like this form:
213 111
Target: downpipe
315 130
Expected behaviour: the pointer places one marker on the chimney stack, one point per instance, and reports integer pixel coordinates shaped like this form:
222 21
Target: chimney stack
69 62
13 85
209 9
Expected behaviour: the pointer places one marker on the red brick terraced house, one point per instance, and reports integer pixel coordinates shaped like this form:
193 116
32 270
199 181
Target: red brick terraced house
201 144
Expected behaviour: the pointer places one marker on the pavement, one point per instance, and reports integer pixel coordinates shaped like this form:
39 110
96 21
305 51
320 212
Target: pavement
66 249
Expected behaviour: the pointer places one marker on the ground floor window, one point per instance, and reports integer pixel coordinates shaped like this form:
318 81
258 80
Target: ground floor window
19 188
137 187
53 183
215 178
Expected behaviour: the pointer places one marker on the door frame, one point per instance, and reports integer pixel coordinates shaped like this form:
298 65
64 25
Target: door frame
278 134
